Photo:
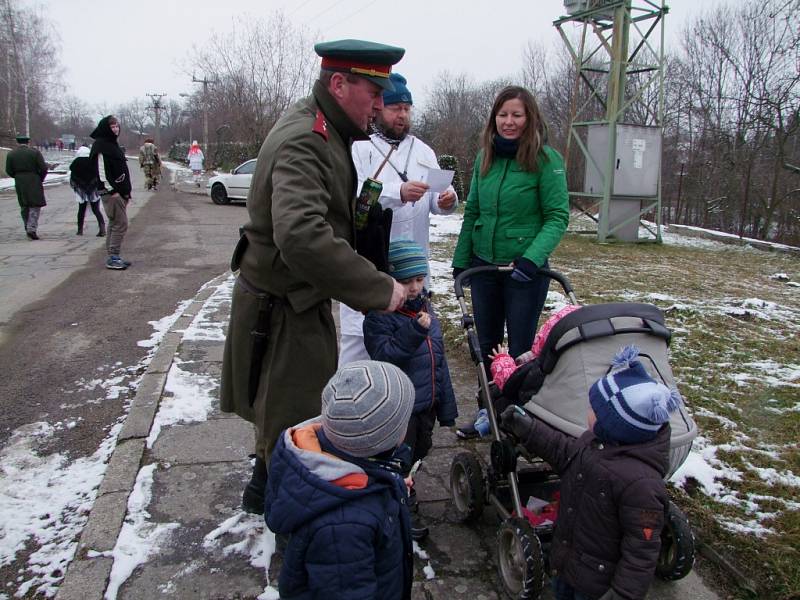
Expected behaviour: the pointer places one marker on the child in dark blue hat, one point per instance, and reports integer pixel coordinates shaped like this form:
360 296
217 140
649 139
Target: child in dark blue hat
411 338
607 540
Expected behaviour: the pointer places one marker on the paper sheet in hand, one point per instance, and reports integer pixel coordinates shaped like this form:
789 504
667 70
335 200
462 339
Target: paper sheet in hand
439 180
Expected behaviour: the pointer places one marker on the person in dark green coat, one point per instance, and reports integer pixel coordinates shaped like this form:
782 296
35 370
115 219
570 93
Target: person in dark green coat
516 214
296 252
26 165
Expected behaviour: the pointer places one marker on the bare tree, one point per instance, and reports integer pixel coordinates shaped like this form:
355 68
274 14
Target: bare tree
29 66
258 70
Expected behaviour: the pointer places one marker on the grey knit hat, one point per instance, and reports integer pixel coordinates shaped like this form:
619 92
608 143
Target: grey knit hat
366 406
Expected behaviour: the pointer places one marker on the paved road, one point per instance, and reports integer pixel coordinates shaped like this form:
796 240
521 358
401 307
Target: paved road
67 322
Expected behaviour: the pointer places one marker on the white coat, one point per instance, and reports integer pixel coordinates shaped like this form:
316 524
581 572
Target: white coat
195 161
410 221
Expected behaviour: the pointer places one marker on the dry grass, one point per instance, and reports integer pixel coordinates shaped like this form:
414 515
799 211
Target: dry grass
736 356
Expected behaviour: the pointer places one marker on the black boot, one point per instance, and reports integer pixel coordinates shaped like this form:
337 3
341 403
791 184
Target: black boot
102 231
253 496
418 531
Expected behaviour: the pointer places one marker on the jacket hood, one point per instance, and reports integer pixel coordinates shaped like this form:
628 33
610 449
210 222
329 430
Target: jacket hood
304 481
103 129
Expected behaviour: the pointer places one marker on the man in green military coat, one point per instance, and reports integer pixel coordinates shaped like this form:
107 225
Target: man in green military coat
26 165
296 252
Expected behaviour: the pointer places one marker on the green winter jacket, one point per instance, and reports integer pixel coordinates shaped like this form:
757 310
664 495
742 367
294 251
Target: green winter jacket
512 213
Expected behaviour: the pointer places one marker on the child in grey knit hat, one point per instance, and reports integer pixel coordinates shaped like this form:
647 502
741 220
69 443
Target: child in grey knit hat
335 490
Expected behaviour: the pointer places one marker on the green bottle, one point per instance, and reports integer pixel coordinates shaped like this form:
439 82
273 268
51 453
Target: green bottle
370 192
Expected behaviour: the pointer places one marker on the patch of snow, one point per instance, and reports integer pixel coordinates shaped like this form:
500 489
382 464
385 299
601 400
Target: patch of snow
162 326
205 325
444 226
46 498
703 466
255 541
188 398
139 538
770 373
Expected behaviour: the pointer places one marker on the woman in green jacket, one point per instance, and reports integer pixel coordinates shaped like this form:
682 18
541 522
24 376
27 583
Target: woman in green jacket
516 214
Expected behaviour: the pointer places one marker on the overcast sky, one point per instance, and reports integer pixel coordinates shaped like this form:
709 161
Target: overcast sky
131 48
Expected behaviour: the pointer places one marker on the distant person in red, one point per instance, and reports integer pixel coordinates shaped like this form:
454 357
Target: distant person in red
196 158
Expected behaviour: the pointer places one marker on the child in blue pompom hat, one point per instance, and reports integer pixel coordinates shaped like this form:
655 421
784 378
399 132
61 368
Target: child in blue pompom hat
411 338
607 540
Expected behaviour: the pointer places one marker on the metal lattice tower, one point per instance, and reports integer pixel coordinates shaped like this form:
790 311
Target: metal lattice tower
617 111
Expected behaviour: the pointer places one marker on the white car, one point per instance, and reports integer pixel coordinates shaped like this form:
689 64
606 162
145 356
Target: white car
233 185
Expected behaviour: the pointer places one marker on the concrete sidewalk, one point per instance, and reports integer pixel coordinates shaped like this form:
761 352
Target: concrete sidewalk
207 548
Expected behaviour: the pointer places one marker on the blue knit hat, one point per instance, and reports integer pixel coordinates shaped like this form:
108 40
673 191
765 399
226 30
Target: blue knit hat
630 406
406 260
400 93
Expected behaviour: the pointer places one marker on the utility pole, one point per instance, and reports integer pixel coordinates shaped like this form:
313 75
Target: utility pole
157 107
205 81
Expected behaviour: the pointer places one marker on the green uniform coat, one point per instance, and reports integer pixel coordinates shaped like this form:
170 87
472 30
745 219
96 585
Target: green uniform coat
511 212
297 247
26 165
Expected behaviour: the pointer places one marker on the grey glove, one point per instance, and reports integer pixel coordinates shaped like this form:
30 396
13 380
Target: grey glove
516 423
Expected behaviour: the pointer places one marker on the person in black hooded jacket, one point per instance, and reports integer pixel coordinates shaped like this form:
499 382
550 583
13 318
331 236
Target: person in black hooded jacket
115 200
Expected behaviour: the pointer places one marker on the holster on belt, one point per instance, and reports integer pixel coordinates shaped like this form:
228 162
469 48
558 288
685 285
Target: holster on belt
259 336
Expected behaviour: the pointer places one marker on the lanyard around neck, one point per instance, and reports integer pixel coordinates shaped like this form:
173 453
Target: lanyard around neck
404 175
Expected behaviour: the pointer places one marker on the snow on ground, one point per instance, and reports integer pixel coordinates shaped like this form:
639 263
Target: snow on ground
46 499
205 326
139 538
188 397
257 542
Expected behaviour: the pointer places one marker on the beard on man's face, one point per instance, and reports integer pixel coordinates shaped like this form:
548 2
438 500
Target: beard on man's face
394 133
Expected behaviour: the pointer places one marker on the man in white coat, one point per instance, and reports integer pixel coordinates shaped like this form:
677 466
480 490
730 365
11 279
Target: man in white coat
404 191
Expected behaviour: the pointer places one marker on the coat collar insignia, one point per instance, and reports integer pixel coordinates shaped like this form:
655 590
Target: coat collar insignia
321 125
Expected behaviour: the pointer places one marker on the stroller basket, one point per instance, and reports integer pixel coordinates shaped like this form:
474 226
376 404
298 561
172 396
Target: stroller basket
578 352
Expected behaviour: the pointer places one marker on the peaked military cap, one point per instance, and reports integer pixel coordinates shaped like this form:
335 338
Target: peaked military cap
369 60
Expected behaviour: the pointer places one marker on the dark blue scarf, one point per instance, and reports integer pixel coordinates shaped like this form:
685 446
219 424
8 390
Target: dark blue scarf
505 148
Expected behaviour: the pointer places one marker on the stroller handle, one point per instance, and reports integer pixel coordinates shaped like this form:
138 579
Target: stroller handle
555 275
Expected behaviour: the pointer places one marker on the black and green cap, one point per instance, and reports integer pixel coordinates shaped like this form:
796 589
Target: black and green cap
369 60
23 137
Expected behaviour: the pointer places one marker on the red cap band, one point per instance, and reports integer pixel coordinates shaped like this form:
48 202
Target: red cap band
370 70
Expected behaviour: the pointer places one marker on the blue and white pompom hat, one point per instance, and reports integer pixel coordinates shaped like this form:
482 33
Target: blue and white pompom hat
630 406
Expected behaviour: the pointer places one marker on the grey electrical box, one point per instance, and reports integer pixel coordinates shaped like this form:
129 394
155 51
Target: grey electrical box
637 165
575 6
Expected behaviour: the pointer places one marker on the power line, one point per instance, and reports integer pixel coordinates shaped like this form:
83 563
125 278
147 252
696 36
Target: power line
363 8
318 15
296 8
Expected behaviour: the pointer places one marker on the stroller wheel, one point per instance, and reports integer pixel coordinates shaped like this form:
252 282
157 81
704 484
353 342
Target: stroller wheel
467 487
677 546
520 562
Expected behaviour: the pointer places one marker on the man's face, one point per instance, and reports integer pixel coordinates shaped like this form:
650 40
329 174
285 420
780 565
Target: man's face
395 120
360 99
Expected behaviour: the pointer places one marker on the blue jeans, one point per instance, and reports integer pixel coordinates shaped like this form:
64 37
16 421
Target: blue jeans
565 591
500 303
